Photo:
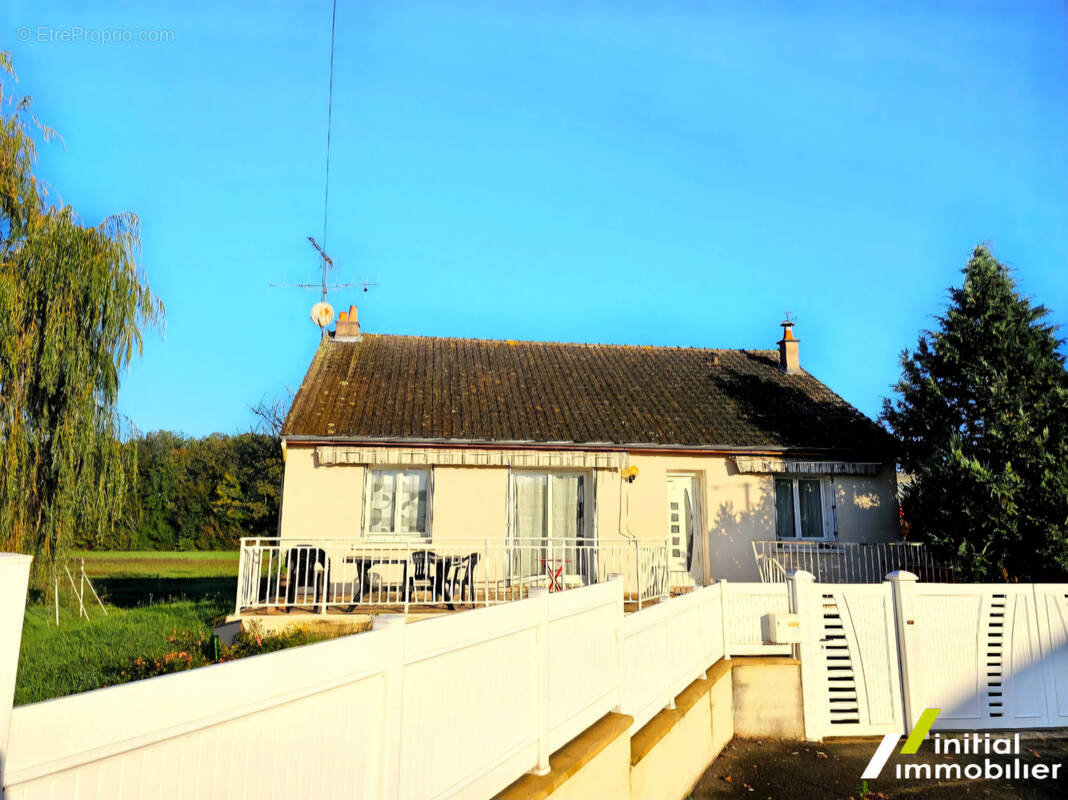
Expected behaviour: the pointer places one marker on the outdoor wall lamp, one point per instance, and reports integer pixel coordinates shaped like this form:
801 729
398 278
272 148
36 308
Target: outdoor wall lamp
630 473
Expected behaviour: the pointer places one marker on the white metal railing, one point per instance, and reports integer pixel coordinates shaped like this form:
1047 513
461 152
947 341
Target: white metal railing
348 574
848 562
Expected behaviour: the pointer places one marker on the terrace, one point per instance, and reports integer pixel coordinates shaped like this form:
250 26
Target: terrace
345 575
849 562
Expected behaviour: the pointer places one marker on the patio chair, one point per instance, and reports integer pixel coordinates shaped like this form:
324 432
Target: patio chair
459 578
769 569
307 567
425 572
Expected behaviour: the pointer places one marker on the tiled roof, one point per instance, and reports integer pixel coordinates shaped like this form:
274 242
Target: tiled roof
477 390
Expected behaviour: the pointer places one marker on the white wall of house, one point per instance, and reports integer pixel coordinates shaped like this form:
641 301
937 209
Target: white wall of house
472 502
738 508
319 502
868 509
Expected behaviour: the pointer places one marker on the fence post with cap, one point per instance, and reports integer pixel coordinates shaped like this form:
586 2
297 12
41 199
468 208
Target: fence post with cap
14 578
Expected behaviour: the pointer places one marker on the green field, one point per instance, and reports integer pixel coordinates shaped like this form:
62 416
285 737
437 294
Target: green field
169 564
134 578
149 595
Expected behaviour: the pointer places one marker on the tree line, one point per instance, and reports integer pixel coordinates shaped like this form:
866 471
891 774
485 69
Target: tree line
188 493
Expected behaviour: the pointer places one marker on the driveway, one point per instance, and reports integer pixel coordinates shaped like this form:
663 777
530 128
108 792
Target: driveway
781 770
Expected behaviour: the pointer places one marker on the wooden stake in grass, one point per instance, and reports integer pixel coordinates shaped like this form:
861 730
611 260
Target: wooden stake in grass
81 605
91 589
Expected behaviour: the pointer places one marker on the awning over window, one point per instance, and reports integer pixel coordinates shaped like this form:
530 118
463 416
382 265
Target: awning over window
329 455
769 464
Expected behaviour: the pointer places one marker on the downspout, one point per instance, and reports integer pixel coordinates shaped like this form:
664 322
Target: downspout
834 508
281 492
706 535
624 496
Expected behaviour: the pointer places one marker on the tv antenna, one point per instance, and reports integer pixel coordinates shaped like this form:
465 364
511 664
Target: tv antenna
322 313
324 286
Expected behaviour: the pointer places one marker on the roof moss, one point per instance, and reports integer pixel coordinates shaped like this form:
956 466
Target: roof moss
480 390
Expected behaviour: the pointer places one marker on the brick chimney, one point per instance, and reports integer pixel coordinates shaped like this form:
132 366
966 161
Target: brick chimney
789 359
348 326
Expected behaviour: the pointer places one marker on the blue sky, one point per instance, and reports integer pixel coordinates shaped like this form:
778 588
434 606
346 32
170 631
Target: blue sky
669 173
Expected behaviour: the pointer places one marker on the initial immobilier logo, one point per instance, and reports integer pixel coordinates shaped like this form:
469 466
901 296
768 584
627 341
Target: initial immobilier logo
1009 766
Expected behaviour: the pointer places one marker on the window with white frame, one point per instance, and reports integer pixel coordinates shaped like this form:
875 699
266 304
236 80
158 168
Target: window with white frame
397 503
801 507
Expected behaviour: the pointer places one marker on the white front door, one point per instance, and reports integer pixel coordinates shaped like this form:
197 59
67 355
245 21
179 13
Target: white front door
682 520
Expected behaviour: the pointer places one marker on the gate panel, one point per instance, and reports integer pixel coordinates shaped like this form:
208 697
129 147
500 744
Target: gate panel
974 652
1051 603
855 679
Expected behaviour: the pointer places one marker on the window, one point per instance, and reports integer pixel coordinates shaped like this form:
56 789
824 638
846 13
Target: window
799 508
398 503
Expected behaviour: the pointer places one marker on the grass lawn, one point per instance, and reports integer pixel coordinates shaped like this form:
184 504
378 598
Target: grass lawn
79 655
148 594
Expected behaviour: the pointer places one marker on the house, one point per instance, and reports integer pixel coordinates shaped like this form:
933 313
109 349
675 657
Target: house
426 440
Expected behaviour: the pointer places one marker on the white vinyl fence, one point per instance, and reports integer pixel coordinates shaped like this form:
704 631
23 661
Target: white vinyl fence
462 705
746 607
454 706
668 646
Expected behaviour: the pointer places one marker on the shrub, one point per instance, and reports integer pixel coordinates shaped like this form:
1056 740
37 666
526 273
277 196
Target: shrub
191 649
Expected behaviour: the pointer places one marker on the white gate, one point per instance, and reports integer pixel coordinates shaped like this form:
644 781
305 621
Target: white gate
849 661
988 655
1051 604
874 656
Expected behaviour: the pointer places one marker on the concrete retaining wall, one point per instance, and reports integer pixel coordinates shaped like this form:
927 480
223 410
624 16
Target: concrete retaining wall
767 698
664 759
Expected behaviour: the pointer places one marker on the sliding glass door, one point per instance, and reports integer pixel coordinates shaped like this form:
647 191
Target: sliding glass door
548 512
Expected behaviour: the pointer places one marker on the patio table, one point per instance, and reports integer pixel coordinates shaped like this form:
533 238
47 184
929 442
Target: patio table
364 564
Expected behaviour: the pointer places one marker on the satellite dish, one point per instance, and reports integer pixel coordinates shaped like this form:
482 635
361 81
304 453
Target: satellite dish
322 314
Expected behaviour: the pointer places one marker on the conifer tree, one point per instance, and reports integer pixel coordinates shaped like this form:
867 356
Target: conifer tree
982 415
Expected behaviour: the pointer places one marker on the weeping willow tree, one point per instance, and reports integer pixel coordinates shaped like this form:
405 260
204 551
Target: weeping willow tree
73 303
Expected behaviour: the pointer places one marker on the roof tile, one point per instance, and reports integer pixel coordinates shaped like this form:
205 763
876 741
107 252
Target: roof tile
425 388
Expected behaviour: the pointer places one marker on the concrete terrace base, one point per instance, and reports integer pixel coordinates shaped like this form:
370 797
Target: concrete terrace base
339 624
339 621
331 624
